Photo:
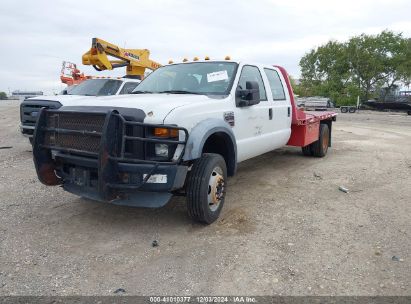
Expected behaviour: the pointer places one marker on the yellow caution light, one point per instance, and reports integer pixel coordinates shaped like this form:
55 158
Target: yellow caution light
207 58
170 61
165 132
195 59
185 60
227 58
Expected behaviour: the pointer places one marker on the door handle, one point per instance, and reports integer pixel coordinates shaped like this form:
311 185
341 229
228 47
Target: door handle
270 113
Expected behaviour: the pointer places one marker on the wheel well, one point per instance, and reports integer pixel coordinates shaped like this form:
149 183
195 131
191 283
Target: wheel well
221 143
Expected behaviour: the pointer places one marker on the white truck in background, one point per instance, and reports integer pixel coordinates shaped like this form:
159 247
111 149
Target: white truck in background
95 87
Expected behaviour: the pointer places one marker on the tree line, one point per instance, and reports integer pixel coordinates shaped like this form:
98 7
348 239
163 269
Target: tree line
361 66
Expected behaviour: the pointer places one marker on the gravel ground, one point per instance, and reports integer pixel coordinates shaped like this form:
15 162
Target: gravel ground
286 228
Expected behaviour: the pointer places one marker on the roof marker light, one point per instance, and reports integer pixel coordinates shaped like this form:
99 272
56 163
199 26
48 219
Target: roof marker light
170 61
207 58
227 58
185 60
195 58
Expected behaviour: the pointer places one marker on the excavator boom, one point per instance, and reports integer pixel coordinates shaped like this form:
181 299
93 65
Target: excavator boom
136 60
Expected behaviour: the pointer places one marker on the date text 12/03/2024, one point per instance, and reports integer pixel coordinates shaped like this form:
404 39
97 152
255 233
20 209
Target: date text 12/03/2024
203 299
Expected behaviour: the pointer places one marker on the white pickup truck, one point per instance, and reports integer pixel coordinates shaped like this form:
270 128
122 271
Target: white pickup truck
30 108
183 131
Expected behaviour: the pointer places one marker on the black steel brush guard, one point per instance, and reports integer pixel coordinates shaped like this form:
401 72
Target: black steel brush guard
107 155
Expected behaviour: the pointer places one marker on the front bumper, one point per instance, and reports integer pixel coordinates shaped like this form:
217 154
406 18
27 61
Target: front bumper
27 131
131 190
104 172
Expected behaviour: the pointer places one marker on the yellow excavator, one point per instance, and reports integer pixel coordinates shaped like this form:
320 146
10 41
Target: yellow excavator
136 60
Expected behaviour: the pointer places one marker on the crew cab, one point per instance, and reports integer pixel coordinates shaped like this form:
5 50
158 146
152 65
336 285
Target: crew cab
183 131
30 108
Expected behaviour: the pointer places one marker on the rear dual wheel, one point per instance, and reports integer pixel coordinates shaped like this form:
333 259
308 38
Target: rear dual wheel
319 148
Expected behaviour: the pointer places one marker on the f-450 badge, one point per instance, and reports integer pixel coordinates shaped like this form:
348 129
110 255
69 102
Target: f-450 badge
229 117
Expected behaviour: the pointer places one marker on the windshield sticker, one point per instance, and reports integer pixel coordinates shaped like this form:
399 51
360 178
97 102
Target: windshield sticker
217 76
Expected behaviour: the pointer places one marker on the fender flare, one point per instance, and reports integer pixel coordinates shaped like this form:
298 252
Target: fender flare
199 135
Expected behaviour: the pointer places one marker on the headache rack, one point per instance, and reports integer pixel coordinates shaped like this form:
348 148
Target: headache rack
103 141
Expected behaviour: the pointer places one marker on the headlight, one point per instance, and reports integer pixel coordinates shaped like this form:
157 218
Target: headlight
161 150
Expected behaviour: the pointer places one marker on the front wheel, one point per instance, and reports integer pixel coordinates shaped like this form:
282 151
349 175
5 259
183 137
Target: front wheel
206 187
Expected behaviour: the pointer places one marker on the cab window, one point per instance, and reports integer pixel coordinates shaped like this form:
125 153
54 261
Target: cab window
252 73
128 87
276 86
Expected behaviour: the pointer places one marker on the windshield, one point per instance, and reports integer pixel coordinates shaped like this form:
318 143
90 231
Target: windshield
96 87
190 78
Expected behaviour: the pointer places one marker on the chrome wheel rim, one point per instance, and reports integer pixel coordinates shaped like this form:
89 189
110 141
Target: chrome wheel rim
216 189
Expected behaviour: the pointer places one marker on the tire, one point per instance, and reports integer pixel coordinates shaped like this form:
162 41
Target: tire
320 147
343 109
352 110
206 187
307 151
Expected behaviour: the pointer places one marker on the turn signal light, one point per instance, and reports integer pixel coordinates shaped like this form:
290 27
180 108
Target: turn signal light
165 132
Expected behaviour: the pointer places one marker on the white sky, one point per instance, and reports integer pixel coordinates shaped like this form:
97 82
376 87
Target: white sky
36 36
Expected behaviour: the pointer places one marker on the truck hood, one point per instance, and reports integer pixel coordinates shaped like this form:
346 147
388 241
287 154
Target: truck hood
156 106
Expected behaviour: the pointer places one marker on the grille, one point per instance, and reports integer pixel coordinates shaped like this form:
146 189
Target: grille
77 142
78 122
30 110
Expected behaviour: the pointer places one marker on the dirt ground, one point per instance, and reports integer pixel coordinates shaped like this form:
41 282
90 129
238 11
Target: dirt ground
286 228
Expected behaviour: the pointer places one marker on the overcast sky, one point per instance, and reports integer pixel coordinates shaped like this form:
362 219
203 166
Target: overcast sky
36 36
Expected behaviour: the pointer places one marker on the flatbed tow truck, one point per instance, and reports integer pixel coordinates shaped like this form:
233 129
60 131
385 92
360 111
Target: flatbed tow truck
183 132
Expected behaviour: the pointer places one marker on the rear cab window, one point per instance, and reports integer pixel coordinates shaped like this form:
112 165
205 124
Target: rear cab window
276 86
128 87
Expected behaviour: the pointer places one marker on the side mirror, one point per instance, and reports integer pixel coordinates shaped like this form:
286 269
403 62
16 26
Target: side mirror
249 96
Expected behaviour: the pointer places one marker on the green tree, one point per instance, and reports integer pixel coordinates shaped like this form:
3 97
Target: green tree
377 60
3 95
358 67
